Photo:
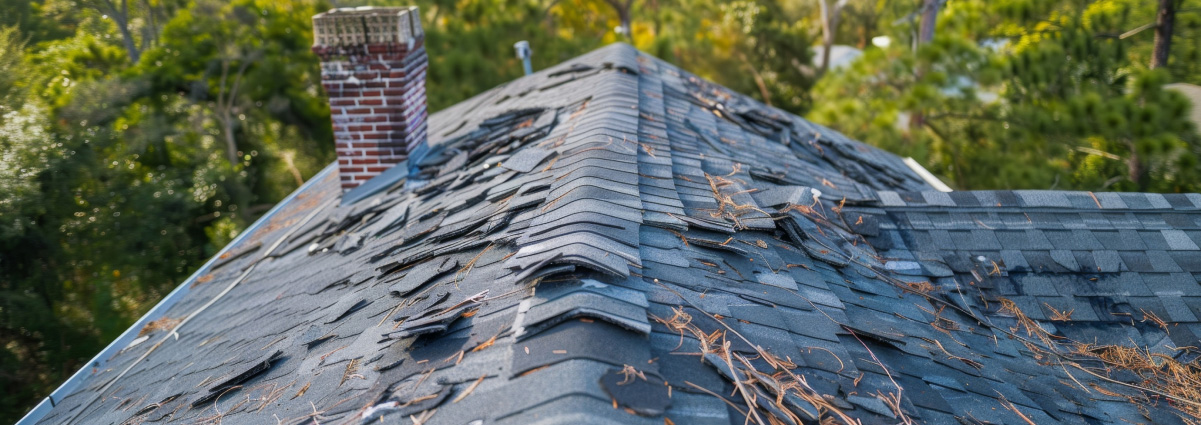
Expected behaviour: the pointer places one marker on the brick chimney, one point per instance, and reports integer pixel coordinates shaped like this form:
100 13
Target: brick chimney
373 65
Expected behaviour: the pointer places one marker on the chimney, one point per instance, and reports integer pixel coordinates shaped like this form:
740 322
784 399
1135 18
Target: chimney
373 65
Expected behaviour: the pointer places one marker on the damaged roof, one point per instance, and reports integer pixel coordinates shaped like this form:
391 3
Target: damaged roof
615 240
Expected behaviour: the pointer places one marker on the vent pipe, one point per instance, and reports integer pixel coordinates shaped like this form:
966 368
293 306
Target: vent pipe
524 53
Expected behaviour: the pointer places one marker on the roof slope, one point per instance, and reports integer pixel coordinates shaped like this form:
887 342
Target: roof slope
614 240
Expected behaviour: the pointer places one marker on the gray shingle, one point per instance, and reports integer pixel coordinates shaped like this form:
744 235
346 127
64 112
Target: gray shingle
1178 240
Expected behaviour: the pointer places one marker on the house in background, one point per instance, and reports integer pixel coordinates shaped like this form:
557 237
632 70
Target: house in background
1193 93
840 55
614 240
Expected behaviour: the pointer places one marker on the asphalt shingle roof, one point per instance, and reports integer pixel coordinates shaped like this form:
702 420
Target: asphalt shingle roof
615 240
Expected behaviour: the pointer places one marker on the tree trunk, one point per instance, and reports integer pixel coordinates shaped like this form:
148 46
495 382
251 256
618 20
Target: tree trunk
623 15
121 17
1165 20
231 145
925 34
763 91
829 21
1139 172
127 38
227 101
929 19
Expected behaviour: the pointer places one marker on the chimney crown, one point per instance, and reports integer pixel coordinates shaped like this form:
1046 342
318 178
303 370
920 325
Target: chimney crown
348 27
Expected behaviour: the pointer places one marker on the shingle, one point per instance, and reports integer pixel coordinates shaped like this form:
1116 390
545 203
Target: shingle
1023 239
576 339
1178 240
1014 260
1124 220
579 304
1158 201
1083 200
1073 239
919 220
1162 262
1065 259
1094 221
1040 198
975 240
1110 200
781 195
1136 261
1172 284
1034 285
642 394
1136 201
1107 261
1179 201
964 199
938 199
1178 310
1125 239
1188 261
1183 221
1154 240
1195 198
985 198
1152 221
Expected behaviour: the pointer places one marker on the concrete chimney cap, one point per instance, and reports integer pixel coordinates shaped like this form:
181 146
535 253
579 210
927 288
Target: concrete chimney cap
352 26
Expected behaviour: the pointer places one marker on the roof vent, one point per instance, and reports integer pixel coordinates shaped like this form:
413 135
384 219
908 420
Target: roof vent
524 53
373 65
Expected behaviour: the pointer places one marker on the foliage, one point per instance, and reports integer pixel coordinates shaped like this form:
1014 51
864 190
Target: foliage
136 143
1019 94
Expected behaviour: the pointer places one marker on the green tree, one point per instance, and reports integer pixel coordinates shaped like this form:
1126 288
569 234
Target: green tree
1022 95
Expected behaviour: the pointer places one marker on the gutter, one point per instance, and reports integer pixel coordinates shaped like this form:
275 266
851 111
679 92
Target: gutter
158 311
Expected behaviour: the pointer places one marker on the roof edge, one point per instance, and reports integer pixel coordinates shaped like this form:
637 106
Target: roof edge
926 175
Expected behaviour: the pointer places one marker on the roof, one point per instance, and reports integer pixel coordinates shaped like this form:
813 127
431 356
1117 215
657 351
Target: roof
615 240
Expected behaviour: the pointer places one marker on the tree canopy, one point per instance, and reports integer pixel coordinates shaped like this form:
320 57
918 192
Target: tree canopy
137 138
